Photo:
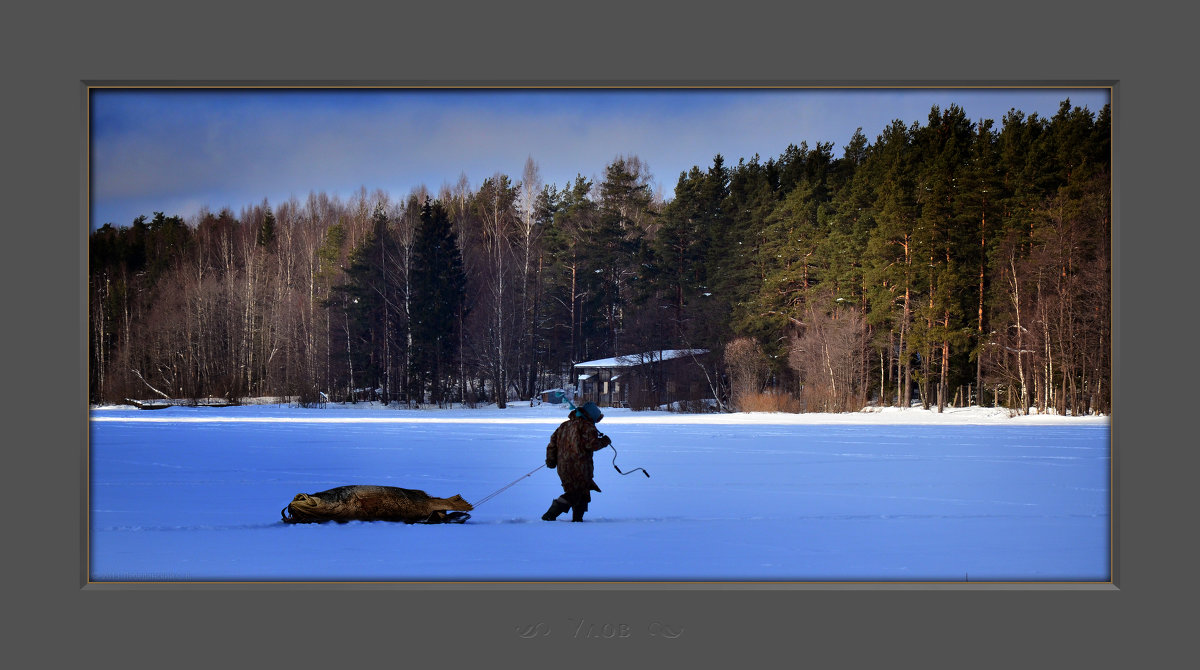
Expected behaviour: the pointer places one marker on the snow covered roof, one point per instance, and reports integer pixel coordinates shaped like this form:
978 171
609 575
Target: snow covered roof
631 360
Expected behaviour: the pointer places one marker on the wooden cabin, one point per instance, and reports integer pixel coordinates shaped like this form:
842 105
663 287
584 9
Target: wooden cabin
643 380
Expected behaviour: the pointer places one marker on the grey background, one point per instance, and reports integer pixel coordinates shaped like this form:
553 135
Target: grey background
51 51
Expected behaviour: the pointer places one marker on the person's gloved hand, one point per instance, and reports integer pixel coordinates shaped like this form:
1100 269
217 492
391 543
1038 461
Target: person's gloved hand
550 463
605 440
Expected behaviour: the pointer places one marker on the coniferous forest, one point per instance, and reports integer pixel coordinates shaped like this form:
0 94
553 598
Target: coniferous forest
954 262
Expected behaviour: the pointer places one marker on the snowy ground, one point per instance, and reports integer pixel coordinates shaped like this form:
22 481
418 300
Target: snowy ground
194 494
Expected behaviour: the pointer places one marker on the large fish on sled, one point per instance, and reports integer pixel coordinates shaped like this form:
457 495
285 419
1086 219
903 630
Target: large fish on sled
363 502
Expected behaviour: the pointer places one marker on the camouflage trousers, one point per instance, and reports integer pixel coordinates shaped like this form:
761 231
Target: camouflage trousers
576 500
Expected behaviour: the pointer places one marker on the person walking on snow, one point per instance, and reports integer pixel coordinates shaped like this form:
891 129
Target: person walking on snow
570 451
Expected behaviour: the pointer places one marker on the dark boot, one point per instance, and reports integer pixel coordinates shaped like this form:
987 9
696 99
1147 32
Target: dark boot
558 506
577 511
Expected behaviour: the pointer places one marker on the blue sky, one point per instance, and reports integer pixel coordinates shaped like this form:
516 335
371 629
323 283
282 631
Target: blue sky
177 150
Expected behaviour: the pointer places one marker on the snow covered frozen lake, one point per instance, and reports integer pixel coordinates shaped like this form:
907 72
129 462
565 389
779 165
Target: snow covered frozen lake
194 495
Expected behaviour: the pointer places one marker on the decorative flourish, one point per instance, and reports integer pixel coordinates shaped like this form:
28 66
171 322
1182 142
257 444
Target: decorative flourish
533 630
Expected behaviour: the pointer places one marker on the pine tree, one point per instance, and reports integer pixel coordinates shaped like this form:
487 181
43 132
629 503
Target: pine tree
943 246
438 299
367 306
266 230
980 202
675 263
568 286
737 285
891 253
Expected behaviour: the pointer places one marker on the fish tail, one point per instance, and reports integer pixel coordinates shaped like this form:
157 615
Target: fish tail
456 502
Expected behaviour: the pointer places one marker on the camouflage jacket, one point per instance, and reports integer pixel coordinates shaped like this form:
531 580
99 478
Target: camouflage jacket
570 451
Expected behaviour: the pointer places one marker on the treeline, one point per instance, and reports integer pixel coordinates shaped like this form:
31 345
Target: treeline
952 262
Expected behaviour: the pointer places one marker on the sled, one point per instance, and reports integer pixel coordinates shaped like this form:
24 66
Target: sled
449 517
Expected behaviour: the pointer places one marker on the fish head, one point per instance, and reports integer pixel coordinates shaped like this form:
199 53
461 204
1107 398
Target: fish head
305 507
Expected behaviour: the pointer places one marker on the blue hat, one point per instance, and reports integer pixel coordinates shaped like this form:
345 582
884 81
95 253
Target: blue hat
591 411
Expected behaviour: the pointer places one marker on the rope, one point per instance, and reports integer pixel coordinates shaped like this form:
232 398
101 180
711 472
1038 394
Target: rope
504 488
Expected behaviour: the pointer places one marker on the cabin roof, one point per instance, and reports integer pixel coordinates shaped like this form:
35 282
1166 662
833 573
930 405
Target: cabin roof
633 360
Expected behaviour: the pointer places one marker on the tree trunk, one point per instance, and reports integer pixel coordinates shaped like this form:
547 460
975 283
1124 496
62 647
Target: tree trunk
349 359
1015 296
943 384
